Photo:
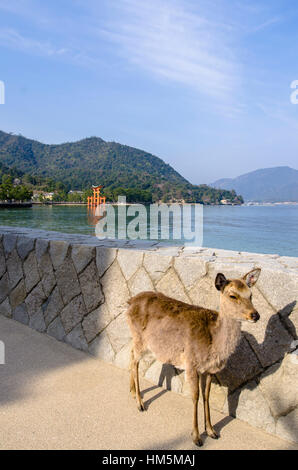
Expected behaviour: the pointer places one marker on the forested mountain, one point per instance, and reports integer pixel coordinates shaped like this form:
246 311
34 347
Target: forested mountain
278 184
78 165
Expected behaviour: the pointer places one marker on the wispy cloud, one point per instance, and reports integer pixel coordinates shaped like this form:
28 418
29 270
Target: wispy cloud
279 111
12 38
195 44
265 24
173 40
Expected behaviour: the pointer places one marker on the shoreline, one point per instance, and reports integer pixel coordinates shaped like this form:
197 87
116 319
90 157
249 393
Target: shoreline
15 205
23 205
245 204
35 203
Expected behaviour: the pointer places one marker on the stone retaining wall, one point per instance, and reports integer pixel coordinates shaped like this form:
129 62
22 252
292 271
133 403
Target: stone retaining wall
75 288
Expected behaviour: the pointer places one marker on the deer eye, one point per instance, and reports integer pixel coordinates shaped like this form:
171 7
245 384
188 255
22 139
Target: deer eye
233 297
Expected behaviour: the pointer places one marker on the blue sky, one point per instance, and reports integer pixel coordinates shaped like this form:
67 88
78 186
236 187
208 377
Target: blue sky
203 84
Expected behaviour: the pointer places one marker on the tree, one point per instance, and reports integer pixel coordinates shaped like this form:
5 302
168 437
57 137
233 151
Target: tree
8 192
74 197
60 197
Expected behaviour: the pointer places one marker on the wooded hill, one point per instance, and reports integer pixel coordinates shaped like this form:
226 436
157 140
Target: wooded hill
78 165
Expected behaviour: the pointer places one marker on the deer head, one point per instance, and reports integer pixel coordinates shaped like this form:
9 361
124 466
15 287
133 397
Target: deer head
236 296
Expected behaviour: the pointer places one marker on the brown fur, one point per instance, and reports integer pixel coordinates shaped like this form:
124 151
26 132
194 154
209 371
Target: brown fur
168 327
239 284
189 337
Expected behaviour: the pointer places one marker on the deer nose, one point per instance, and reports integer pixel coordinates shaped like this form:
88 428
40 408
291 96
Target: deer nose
255 316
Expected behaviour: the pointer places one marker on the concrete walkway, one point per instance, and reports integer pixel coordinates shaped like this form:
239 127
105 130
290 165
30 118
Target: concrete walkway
55 397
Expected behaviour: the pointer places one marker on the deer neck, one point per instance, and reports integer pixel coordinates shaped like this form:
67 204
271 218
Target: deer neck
227 335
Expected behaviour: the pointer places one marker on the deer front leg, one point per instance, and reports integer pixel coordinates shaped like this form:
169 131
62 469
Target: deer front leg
206 392
193 381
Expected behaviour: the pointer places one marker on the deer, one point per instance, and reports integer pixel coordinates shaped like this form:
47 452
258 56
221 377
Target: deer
192 338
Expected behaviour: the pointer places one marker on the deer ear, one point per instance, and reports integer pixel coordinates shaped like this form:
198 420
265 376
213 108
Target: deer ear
252 277
220 281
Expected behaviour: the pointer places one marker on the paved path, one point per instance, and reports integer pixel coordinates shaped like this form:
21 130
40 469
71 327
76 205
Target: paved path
55 397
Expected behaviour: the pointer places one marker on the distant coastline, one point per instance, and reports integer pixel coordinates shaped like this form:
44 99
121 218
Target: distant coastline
14 205
287 203
275 184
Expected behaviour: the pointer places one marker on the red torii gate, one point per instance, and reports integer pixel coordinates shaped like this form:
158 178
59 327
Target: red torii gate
96 199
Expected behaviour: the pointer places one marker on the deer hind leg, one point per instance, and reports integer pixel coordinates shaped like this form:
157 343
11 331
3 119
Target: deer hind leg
206 392
193 380
132 385
134 379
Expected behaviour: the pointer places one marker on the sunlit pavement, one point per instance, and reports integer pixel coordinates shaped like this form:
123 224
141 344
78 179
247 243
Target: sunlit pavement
55 397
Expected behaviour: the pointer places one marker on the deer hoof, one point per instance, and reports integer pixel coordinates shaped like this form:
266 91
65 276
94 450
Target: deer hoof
141 407
196 440
212 433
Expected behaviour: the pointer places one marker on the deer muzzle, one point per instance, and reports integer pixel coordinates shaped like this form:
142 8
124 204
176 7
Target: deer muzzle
254 316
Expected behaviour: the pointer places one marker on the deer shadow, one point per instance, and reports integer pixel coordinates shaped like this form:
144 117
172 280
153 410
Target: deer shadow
262 349
168 372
